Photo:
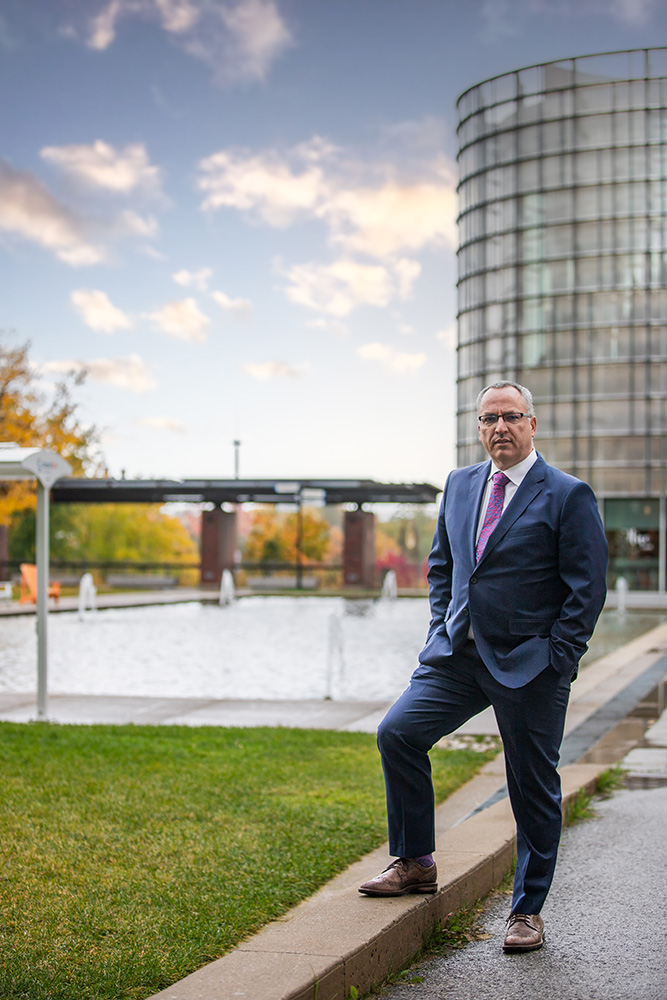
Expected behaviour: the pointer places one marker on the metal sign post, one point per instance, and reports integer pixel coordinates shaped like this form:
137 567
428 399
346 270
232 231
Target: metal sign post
42 623
46 467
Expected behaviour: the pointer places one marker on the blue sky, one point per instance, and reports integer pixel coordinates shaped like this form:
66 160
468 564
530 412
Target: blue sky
239 216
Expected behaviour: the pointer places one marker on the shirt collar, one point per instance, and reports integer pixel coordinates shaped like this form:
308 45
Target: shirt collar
519 471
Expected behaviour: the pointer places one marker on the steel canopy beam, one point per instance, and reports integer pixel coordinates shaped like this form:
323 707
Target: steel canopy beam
217 491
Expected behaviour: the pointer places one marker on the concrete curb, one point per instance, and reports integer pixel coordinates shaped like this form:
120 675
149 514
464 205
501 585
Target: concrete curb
339 938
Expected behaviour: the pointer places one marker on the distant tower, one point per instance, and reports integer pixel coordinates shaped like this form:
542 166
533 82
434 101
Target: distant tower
563 277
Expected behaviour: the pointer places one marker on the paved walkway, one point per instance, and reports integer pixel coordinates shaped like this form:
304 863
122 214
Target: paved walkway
119 599
604 919
360 716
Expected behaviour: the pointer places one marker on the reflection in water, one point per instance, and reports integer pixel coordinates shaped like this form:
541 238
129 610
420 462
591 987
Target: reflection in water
257 647
358 608
614 630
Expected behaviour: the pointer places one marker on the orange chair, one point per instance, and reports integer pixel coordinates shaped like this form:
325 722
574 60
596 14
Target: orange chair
28 585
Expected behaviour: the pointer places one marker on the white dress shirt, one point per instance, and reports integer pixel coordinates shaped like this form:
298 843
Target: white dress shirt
516 476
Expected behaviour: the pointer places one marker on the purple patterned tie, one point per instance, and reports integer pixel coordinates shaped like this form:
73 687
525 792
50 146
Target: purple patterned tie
493 512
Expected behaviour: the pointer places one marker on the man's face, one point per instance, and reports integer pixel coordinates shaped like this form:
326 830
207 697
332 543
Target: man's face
507 444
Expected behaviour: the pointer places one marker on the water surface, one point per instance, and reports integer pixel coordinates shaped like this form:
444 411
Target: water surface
258 647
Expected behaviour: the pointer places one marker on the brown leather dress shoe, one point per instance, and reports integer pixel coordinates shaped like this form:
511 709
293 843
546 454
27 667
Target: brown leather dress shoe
402 876
525 932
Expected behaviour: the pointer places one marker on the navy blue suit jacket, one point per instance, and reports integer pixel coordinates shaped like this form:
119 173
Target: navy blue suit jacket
535 595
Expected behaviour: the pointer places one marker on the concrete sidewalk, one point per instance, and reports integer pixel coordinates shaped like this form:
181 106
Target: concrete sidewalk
339 939
117 599
606 936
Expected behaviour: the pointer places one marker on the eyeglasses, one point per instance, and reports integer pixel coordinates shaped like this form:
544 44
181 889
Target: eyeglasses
489 419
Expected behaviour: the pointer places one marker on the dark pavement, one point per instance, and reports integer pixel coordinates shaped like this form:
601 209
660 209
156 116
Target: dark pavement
604 918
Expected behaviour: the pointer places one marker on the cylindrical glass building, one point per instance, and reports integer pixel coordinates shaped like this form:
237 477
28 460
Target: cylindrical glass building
563 277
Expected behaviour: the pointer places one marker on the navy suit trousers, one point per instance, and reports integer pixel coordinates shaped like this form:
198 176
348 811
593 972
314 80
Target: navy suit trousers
531 720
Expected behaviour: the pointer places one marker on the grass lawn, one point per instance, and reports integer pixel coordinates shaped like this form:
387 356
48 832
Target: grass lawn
132 855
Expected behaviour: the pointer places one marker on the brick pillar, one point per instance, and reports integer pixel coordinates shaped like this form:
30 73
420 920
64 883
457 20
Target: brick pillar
359 549
218 545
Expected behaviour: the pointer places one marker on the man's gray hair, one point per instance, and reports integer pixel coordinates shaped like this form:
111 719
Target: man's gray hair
526 393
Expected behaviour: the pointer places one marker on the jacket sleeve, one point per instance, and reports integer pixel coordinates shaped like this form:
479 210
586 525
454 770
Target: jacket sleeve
439 571
582 563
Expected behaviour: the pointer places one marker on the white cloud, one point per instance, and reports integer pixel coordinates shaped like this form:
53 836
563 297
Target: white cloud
178 16
29 210
336 289
102 29
239 41
335 326
381 218
163 424
502 19
102 166
407 272
139 225
263 184
194 279
183 320
275 369
152 252
399 361
257 35
124 373
395 217
97 311
636 12
175 16
239 309
340 287
424 138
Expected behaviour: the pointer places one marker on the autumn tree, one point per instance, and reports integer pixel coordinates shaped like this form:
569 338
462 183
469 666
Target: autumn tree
31 418
403 543
273 536
412 529
78 532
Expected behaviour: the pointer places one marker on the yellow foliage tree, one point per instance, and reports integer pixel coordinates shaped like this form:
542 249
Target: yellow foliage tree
106 532
273 536
30 420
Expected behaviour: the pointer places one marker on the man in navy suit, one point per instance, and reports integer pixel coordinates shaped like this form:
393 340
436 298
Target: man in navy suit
516 585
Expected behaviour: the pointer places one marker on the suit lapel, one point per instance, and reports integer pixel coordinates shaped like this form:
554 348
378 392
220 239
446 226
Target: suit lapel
525 494
477 484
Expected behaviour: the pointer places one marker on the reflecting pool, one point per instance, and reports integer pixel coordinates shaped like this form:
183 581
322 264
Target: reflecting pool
257 647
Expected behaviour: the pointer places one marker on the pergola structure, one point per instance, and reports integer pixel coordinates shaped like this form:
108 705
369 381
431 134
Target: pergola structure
219 537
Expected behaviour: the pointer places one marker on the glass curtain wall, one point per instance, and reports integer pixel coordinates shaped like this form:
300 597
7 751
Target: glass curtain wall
563 265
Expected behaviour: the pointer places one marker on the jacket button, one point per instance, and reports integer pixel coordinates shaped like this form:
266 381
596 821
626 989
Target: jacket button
473 579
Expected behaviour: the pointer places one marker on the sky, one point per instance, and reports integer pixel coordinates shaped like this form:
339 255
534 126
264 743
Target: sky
238 217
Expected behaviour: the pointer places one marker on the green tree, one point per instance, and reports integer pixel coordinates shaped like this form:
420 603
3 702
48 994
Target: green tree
105 533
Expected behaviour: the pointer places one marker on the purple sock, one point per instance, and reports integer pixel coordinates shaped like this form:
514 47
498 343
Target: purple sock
426 860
